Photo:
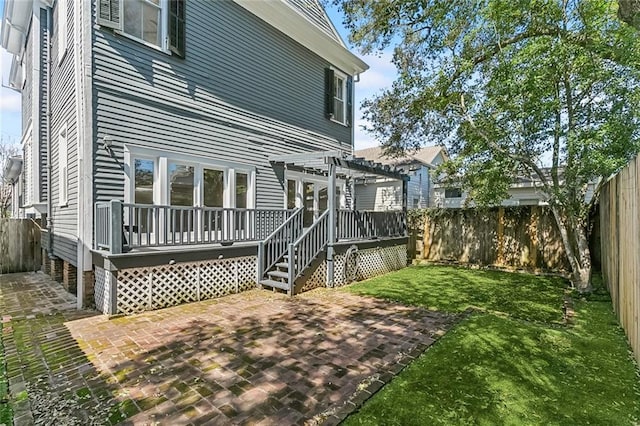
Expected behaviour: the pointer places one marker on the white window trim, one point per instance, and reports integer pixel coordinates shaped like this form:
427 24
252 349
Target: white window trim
62 18
343 76
161 180
63 167
164 28
301 177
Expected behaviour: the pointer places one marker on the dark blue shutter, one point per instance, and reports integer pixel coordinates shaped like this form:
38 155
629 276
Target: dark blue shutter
177 27
328 92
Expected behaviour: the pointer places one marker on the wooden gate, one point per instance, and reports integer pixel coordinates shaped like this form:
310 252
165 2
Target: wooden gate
19 246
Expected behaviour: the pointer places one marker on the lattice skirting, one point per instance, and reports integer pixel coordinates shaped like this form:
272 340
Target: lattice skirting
101 290
143 289
370 263
377 261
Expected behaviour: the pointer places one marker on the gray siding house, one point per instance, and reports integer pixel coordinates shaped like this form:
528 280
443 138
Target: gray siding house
380 193
187 149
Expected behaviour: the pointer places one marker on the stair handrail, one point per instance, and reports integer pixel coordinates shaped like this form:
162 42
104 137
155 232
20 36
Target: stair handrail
309 245
269 253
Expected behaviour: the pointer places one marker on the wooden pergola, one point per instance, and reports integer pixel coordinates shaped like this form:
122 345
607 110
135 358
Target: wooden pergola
335 164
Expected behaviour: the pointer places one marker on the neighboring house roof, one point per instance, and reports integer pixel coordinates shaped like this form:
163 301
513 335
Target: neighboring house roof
425 155
314 12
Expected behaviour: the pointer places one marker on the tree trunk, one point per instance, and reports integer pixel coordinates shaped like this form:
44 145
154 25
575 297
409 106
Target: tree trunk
579 262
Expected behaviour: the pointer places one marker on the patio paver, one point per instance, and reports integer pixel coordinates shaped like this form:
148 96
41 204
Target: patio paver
253 358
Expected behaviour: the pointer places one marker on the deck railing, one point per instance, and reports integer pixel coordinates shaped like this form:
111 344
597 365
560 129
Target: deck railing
271 250
102 228
307 247
119 225
354 225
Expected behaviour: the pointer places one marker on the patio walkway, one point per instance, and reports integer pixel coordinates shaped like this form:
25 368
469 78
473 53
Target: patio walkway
252 358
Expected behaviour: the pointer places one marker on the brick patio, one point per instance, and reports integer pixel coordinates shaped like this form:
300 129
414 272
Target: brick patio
252 358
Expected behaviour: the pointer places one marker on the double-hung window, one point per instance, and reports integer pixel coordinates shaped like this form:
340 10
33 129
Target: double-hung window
159 23
338 96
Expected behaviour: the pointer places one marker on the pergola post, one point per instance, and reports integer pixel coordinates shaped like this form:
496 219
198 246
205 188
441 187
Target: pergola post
331 228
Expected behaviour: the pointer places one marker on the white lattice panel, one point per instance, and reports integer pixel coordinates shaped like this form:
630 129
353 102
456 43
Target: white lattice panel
100 290
141 289
134 290
338 271
246 272
174 284
378 261
217 278
318 277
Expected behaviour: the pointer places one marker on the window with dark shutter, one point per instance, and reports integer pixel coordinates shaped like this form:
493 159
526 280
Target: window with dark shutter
177 27
109 13
328 92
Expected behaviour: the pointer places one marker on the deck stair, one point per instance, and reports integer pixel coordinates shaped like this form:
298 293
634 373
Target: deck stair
279 268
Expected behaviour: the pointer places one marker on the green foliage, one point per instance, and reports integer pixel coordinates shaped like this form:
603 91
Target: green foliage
508 83
494 368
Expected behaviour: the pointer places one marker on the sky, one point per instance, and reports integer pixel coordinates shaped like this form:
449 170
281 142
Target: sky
380 75
10 125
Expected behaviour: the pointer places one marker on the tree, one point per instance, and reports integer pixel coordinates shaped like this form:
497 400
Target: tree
629 12
508 84
8 149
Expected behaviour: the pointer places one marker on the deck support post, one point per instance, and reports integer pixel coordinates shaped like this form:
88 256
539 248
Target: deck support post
260 264
115 239
331 228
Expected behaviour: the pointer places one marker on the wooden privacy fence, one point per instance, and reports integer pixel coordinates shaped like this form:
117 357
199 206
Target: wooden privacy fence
522 237
620 240
19 245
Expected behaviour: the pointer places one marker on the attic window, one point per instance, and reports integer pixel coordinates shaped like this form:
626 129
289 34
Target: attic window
158 23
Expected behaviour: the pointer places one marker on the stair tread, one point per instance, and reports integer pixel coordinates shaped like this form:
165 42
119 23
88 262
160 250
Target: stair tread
279 274
277 284
282 265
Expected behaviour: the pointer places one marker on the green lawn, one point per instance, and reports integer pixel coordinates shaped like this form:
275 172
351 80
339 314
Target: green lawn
509 363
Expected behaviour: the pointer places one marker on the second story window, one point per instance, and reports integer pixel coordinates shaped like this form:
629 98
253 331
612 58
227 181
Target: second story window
143 20
158 23
338 96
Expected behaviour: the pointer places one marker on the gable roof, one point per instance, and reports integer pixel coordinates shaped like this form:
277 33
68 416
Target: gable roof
315 13
425 155
306 22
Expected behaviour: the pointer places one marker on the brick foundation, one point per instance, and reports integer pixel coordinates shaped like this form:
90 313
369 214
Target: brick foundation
89 281
46 262
56 269
69 277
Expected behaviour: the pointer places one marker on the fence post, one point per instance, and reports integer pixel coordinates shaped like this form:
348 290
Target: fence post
115 239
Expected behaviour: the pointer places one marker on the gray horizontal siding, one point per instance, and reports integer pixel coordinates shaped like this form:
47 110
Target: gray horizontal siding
241 80
42 102
65 219
379 196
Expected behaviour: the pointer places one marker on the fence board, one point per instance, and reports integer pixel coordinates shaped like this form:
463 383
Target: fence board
524 236
19 246
620 244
